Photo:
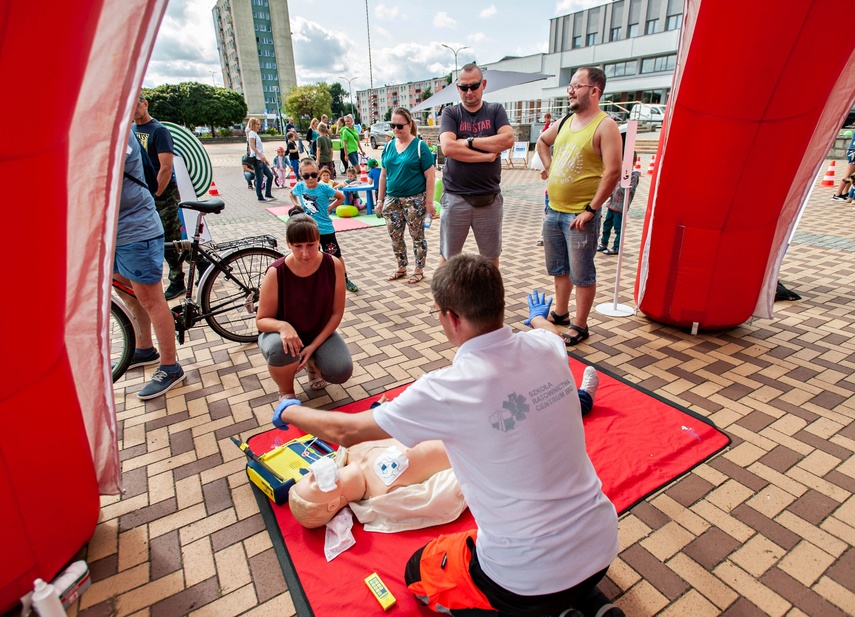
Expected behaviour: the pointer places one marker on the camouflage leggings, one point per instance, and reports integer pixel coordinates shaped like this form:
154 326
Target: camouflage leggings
410 212
167 208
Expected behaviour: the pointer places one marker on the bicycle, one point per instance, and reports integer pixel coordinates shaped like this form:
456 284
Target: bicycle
229 283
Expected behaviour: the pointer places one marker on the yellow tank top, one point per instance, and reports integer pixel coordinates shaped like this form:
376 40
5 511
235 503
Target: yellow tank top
576 170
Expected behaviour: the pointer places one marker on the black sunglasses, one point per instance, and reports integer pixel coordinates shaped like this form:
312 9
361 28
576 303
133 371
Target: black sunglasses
314 174
400 127
473 87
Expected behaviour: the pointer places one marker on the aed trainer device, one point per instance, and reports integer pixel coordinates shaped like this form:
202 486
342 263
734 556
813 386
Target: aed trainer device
289 462
380 591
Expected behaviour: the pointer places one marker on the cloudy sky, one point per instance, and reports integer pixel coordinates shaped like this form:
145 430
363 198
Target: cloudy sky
330 38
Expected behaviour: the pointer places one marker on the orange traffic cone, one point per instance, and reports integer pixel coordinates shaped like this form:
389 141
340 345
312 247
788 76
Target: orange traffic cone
652 164
363 175
828 180
293 182
637 165
213 190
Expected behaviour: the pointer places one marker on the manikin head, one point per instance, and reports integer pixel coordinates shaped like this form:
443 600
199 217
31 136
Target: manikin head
313 507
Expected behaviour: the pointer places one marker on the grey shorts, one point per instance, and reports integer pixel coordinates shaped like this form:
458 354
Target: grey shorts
458 217
332 357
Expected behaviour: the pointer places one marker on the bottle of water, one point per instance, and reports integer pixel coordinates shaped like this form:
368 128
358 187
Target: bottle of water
428 220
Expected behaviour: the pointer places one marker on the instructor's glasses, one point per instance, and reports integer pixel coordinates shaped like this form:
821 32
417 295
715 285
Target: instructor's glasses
473 87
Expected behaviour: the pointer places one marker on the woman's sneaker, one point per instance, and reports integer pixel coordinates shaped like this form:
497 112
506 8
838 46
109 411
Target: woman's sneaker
161 383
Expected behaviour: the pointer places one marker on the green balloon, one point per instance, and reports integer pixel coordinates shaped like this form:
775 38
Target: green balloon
437 190
437 206
847 133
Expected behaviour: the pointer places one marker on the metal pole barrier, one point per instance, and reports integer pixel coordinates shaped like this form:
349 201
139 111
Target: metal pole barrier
614 309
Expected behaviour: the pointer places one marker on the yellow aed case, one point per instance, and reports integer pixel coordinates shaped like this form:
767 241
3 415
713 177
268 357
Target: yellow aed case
290 461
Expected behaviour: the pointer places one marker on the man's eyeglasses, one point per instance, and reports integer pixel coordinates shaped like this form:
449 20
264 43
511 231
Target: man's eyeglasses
574 87
314 174
400 127
435 312
473 87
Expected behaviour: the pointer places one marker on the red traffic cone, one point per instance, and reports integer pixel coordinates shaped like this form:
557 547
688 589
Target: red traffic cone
213 190
293 182
828 180
363 175
652 164
637 165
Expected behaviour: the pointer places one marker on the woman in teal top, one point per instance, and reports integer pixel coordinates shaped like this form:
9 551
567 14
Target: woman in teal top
405 194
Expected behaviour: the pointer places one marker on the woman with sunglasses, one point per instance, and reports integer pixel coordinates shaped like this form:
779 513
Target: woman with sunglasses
405 193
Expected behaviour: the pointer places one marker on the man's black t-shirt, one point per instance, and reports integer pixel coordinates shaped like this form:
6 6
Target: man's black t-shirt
155 138
472 178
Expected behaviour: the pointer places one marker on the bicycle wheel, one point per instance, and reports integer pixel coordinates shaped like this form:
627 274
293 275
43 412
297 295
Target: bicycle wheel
123 339
230 301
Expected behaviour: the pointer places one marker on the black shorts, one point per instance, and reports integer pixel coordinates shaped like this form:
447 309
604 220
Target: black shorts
330 245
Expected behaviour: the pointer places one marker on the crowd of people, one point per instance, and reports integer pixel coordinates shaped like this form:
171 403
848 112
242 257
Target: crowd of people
546 534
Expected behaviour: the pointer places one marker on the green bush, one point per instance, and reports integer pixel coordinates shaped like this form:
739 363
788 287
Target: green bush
272 131
225 132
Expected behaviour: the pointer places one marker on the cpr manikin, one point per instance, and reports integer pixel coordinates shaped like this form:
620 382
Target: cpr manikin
388 486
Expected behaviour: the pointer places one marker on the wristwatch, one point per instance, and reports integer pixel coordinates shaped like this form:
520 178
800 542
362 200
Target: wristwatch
588 208
469 141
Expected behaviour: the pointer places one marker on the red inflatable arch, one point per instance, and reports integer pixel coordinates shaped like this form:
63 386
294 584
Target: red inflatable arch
68 89
768 86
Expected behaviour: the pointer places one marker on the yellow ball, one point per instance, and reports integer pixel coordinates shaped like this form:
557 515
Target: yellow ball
346 211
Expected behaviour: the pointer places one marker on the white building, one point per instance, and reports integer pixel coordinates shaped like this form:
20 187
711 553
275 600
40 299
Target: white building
634 41
374 102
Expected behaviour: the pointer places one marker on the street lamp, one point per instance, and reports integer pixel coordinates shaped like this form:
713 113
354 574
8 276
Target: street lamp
455 52
350 91
213 79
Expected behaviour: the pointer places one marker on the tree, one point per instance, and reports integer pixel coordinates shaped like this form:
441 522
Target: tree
425 95
191 104
338 94
307 102
388 115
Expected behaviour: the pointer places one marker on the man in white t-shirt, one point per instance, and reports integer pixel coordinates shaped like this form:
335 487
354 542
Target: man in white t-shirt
508 413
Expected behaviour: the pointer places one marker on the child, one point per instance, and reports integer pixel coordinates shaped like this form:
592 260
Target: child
248 171
374 175
851 181
294 154
323 147
614 214
353 198
318 200
325 178
280 163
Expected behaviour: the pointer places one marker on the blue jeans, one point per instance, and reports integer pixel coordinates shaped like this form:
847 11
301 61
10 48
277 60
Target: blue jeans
261 169
249 176
613 219
353 158
570 251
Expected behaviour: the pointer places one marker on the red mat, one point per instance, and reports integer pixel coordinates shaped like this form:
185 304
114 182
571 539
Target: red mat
637 441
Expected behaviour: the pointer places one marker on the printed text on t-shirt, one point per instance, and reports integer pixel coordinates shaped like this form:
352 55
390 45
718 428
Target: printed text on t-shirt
475 127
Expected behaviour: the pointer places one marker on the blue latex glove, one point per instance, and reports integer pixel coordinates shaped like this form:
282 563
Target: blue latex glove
537 306
285 402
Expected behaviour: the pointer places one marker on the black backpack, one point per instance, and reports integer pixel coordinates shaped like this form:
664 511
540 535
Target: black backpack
148 171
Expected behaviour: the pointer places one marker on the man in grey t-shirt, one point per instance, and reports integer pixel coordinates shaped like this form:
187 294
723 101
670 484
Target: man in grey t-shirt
472 136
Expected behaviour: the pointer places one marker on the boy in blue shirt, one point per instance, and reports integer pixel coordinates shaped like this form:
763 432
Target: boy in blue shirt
318 200
374 176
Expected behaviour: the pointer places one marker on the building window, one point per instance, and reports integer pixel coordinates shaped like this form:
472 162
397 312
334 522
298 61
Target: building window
614 35
659 64
632 31
652 26
591 39
674 22
577 42
621 69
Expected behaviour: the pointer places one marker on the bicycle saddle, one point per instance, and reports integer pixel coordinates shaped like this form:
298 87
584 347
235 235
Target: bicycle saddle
209 206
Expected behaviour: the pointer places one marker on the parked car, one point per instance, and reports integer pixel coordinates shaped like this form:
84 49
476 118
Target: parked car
380 133
646 112
202 131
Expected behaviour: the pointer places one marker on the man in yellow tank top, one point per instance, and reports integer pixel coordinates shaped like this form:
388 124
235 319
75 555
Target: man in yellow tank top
581 174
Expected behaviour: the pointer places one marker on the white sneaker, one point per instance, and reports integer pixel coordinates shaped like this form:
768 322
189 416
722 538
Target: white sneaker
590 381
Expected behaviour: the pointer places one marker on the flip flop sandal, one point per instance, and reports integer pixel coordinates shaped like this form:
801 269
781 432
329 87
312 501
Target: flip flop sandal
560 320
580 334
417 277
316 381
399 273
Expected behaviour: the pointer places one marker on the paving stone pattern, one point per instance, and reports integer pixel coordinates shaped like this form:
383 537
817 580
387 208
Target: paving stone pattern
766 528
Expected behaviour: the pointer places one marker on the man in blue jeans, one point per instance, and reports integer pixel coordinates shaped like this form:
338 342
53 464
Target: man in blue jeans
138 263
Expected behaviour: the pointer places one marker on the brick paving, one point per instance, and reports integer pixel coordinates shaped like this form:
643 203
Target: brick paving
766 528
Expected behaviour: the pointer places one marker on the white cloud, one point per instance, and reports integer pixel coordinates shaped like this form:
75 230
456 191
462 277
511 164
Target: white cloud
477 37
442 20
489 11
318 52
571 6
385 12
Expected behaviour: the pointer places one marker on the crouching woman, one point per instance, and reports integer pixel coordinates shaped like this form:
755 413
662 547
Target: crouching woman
301 305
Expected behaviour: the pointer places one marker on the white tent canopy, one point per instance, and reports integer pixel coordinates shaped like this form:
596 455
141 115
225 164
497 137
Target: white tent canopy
496 80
